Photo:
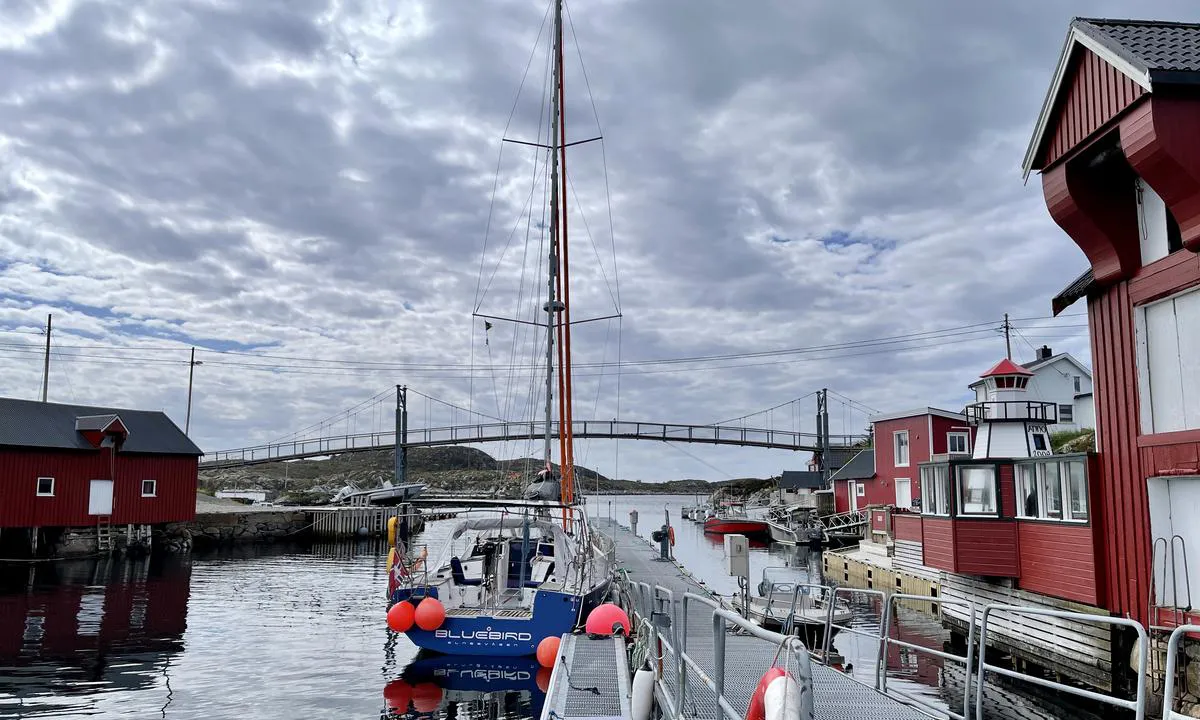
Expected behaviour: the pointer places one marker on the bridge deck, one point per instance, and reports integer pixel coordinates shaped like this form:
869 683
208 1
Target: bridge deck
508 431
836 696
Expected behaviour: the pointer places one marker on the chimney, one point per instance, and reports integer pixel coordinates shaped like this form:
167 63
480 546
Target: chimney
1044 353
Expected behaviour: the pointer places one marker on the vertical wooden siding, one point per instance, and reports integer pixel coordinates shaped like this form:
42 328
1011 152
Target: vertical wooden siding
20 506
1096 93
1126 519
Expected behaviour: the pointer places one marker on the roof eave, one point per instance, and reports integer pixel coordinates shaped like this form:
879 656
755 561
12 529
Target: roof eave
1101 47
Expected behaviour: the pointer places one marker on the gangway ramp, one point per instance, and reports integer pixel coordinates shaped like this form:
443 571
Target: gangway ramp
743 658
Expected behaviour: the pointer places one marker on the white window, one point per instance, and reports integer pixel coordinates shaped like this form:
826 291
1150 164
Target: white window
1078 383
1157 229
149 488
958 443
935 496
1066 413
977 490
1054 490
903 493
900 440
860 489
45 487
1168 350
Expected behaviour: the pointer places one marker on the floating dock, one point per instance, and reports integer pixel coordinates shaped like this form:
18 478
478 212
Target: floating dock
684 612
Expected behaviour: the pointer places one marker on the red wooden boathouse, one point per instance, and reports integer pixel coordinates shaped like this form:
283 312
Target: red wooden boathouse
1116 145
70 466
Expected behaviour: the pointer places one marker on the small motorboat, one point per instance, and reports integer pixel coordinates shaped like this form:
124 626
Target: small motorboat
729 524
786 603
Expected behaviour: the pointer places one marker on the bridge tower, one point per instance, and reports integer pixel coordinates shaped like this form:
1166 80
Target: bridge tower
401 434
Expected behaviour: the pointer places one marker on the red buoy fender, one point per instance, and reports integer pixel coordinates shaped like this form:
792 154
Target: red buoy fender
758 708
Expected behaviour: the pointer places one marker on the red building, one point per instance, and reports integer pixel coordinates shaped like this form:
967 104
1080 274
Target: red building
68 466
1012 523
1116 145
887 474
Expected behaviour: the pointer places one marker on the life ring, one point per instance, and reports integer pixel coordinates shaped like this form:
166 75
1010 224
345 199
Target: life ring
777 697
671 534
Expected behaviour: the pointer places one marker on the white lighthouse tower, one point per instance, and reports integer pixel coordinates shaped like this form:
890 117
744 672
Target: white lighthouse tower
1009 424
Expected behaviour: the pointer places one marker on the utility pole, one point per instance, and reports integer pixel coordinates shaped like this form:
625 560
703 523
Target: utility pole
187 422
1007 338
46 362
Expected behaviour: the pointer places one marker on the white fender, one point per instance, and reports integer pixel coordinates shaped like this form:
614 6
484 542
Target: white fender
643 694
782 699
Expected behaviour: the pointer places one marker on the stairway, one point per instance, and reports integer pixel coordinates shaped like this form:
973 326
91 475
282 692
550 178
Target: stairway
103 533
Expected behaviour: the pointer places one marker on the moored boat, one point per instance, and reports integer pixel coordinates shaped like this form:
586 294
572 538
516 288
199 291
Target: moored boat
729 525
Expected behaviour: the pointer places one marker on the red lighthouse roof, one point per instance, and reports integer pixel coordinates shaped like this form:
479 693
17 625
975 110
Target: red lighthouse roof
1005 367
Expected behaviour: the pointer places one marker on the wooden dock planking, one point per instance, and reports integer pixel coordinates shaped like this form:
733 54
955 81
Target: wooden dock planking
1081 649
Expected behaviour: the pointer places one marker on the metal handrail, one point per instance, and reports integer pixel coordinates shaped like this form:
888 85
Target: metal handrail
1138 705
1172 658
967 661
830 624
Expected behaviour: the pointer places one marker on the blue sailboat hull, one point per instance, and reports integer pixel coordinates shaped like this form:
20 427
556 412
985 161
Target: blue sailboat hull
554 614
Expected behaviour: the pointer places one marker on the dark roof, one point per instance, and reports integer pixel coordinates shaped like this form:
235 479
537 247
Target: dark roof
860 467
796 479
1079 288
27 423
1162 50
837 457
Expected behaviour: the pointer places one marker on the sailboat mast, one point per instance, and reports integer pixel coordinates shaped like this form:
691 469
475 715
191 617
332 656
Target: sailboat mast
566 401
552 266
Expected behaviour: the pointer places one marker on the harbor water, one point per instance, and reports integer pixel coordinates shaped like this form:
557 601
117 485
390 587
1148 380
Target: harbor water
299 631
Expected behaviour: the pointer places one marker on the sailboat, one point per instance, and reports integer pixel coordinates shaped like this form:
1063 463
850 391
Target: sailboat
534 570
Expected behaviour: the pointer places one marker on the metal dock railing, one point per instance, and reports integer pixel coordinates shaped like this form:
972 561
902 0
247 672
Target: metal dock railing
684 632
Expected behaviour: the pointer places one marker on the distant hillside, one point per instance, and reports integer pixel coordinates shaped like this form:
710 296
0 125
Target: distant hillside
443 469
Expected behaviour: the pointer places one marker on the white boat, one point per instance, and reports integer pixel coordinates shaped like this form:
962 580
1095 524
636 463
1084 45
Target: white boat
784 603
782 533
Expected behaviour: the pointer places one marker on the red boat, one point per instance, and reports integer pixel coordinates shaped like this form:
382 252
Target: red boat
736 525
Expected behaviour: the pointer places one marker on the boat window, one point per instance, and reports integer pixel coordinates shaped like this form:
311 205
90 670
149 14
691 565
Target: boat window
935 496
977 490
1053 490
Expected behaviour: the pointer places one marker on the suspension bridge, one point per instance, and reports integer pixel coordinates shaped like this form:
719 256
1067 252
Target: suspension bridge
469 426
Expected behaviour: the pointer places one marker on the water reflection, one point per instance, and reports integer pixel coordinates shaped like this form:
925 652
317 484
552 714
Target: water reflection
475 687
73 629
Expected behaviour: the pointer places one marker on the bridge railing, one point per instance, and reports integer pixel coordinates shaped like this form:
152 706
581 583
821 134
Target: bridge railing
522 430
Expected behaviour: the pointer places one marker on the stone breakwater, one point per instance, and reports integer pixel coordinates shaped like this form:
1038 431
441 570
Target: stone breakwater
230 528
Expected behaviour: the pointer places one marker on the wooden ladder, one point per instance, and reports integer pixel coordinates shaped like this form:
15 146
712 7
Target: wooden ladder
103 533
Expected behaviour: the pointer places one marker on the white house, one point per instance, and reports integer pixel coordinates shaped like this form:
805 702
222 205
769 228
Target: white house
1060 379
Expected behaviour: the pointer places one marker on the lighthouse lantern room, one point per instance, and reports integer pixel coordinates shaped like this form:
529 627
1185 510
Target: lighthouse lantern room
1008 424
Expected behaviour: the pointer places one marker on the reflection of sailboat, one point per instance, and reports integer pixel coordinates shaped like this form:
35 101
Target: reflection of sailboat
506 583
487 685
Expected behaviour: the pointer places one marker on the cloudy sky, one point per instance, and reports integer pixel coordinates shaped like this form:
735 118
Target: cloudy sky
315 194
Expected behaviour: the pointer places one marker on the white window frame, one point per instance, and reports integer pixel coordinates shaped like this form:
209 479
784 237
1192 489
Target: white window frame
153 488
908 483
1040 480
896 448
37 488
1069 409
992 487
935 490
966 442
1078 383
1185 385
860 489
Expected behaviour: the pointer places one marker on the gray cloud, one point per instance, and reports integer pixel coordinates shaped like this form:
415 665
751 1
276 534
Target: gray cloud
315 178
